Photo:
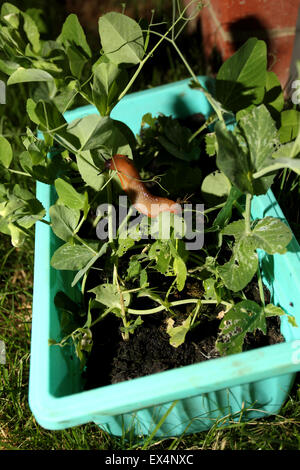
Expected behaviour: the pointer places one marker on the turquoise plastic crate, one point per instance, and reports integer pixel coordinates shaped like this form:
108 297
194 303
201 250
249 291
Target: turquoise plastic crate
252 384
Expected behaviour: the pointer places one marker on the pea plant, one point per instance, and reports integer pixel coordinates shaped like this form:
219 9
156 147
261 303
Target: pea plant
248 137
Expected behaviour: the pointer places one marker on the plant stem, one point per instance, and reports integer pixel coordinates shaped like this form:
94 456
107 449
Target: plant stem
260 286
45 222
85 244
174 304
142 63
20 172
207 123
248 214
110 215
123 310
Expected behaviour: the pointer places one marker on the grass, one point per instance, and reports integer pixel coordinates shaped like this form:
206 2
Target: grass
18 428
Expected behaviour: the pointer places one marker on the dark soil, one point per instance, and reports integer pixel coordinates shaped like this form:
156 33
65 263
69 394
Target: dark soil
148 350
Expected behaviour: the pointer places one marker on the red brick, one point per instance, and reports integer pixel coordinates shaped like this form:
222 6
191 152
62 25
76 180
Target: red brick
229 23
272 13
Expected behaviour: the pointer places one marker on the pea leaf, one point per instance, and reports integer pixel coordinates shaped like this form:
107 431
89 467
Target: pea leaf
89 171
261 135
32 32
77 60
124 244
225 213
64 221
178 333
22 75
273 99
271 235
248 149
242 78
241 267
232 159
72 257
108 83
85 268
121 38
180 270
108 294
273 311
160 252
72 33
290 122
244 317
68 195
5 152
210 144
215 187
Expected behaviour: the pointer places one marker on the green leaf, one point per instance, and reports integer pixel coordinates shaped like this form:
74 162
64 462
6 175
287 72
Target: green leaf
64 99
72 33
32 32
68 195
85 268
241 267
225 213
17 236
72 257
180 270
8 67
121 38
94 132
273 311
291 163
51 122
64 221
247 150
89 171
211 289
134 268
10 13
32 211
273 99
244 317
242 78
77 61
215 187
210 144
37 15
100 134
232 159
290 124
178 333
5 152
109 295
108 83
22 75
124 245
175 139
261 134
160 252
271 235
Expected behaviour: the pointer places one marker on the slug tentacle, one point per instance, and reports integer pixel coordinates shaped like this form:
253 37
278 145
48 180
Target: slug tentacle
140 197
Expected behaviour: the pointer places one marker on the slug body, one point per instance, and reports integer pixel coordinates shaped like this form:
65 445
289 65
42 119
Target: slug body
139 195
